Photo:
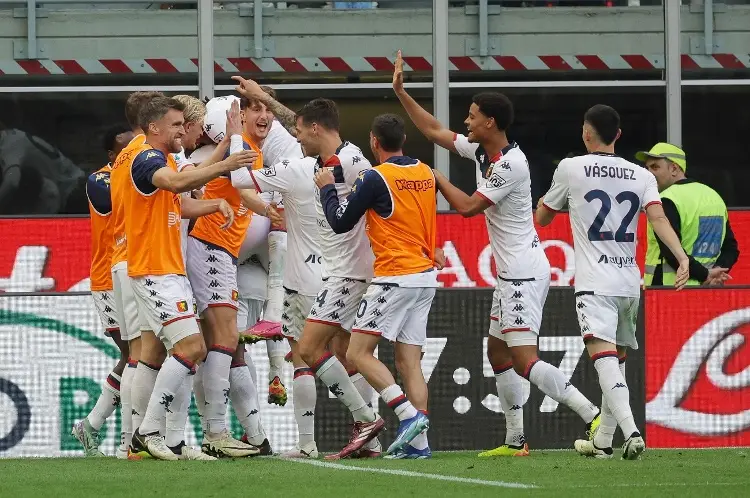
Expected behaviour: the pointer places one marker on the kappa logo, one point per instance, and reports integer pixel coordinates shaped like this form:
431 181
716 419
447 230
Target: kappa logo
580 305
336 390
377 312
152 293
213 284
111 321
212 271
505 165
212 259
215 297
163 316
335 315
340 304
345 291
381 300
308 413
149 282
166 401
372 324
107 309
519 321
284 316
517 295
516 283
158 304
518 307
105 296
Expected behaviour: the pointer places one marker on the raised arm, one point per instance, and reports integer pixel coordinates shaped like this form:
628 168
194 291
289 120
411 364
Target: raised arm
423 120
252 90
168 179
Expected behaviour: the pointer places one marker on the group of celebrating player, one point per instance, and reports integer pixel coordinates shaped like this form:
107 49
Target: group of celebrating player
361 265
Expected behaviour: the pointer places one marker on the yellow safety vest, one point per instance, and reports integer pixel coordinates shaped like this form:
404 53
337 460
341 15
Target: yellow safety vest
703 221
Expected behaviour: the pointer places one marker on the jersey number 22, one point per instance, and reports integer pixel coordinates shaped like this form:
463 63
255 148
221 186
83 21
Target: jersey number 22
621 235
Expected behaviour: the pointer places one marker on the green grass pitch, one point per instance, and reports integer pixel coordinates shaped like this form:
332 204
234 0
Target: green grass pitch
662 473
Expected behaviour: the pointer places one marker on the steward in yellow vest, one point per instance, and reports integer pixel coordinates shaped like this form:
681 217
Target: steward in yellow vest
699 217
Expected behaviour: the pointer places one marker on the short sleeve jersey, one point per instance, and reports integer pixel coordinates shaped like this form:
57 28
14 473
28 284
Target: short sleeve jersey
604 194
505 182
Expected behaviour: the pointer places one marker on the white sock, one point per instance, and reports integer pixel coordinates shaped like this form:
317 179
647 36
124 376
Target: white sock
304 397
276 351
244 396
333 374
365 390
216 388
276 257
615 390
608 424
107 402
172 376
251 366
126 406
420 442
396 400
176 419
510 393
200 395
144 379
553 383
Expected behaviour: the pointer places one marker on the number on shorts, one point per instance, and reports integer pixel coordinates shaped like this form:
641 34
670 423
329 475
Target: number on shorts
321 299
362 308
621 235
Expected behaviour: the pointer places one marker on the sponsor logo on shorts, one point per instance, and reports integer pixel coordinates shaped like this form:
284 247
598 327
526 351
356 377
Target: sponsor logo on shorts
182 306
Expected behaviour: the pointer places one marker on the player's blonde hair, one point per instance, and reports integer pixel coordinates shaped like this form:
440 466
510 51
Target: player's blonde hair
195 109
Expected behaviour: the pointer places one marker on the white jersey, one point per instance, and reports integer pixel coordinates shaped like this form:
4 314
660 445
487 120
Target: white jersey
280 144
505 181
604 194
293 178
346 255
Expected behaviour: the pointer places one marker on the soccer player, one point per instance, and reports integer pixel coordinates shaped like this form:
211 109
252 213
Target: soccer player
132 408
604 194
212 260
100 210
398 200
347 267
302 281
504 196
162 292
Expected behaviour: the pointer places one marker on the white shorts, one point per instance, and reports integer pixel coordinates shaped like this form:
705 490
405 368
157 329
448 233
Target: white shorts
609 318
165 305
337 302
104 301
398 314
516 314
294 312
213 276
248 313
125 304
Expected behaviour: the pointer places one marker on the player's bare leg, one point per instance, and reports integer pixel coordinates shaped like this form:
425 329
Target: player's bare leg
87 430
361 354
312 346
171 377
510 393
409 367
304 396
220 325
244 396
339 346
606 357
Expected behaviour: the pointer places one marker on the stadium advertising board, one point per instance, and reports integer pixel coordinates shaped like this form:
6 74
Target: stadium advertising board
52 254
698 368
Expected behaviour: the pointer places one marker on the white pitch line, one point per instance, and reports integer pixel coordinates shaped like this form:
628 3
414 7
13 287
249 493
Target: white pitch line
407 473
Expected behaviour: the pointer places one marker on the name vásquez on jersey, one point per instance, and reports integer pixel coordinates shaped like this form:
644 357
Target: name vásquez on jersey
618 172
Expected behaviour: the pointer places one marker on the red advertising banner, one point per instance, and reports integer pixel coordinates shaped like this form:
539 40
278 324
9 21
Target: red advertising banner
52 254
698 368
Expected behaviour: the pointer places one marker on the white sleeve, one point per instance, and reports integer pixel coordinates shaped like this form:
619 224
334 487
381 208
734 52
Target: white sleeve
202 154
241 178
464 148
651 193
276 178
557 196
502 181
280 144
